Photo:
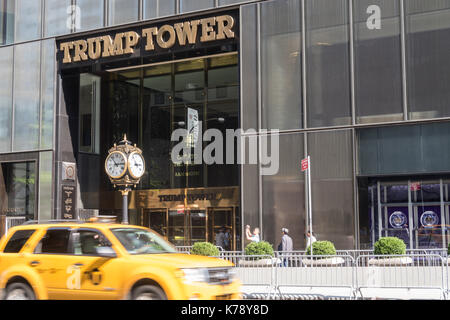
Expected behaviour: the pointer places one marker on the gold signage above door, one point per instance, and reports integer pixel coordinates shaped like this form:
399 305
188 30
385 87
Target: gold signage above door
165 37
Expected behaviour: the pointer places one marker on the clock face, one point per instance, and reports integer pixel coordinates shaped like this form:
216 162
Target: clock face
136 165
116 165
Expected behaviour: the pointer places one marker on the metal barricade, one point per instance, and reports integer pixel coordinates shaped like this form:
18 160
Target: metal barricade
411 276
325 275
256 272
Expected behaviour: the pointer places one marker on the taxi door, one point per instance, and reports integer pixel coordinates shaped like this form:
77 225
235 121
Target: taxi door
102 270
69 272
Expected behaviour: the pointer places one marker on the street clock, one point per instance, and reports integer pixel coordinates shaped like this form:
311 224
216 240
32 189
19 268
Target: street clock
125 167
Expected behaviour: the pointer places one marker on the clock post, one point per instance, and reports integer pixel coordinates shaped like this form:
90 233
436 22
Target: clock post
124 166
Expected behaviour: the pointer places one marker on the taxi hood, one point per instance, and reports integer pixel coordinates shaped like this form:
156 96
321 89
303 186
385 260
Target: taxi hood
181 260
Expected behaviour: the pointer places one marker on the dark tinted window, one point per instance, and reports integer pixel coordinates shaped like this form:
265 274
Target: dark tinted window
17 241
54 241
89 242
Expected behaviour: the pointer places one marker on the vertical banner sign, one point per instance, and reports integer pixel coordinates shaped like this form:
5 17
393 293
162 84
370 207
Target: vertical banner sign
192 126
68 202
306 166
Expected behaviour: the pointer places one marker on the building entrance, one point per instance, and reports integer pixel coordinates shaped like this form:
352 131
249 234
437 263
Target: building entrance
185 227
417 211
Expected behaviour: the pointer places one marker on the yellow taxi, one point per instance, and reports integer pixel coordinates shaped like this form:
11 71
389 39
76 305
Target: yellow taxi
94 260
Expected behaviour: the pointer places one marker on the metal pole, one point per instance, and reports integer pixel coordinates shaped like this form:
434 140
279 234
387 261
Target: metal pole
125 206
310 205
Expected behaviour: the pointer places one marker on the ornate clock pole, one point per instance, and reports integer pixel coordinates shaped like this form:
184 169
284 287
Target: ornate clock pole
125 166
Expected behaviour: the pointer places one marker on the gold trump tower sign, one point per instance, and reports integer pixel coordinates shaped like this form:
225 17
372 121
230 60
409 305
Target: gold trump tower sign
165 37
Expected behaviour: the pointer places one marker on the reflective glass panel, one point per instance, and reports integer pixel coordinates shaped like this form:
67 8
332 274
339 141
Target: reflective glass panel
123 11
158 8
26 96
28 20
191 5
281 65
378 65
327 63
333 181
7 8
58 17
6 65
91 14
428 44
283 194
47 93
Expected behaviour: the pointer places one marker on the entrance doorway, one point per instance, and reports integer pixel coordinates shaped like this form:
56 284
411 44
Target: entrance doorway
184 227
416 211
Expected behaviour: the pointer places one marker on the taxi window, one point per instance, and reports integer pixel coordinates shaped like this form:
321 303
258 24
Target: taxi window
89 241
17 241
55 241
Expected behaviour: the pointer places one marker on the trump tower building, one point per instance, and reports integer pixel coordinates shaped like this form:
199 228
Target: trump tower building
360 86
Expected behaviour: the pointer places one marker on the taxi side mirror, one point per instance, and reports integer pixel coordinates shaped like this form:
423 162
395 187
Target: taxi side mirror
105 252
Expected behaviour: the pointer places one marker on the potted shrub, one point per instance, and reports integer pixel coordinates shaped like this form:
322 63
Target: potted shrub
322 254
263 254
390 246
205 249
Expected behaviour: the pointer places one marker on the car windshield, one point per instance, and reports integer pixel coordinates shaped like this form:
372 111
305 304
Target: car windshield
141 241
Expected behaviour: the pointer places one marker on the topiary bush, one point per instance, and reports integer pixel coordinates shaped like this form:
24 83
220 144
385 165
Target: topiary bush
262 248
322 248
390 246
205 249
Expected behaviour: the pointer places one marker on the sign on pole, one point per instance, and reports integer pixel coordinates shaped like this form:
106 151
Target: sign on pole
306 166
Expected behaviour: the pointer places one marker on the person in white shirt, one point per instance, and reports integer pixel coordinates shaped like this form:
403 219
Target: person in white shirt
310 239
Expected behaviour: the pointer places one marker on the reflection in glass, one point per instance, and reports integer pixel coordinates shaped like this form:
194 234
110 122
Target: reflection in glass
45 185
7 8
26 96
159 8
333 182
57 17
89 113
192 5
91 14
47 93
123 11
327 57
17 189
378 66
281 81
28 20
428 44
283 194
6 65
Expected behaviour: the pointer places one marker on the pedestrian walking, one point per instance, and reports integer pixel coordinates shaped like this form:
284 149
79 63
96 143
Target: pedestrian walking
286 245
220 238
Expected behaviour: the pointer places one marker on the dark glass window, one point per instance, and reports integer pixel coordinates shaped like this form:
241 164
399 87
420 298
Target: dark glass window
405 149
17 241
55 241
378 65
18 189
428 65
327 63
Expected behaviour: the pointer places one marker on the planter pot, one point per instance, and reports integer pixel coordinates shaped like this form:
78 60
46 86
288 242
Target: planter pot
259 263
402 261
323 262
